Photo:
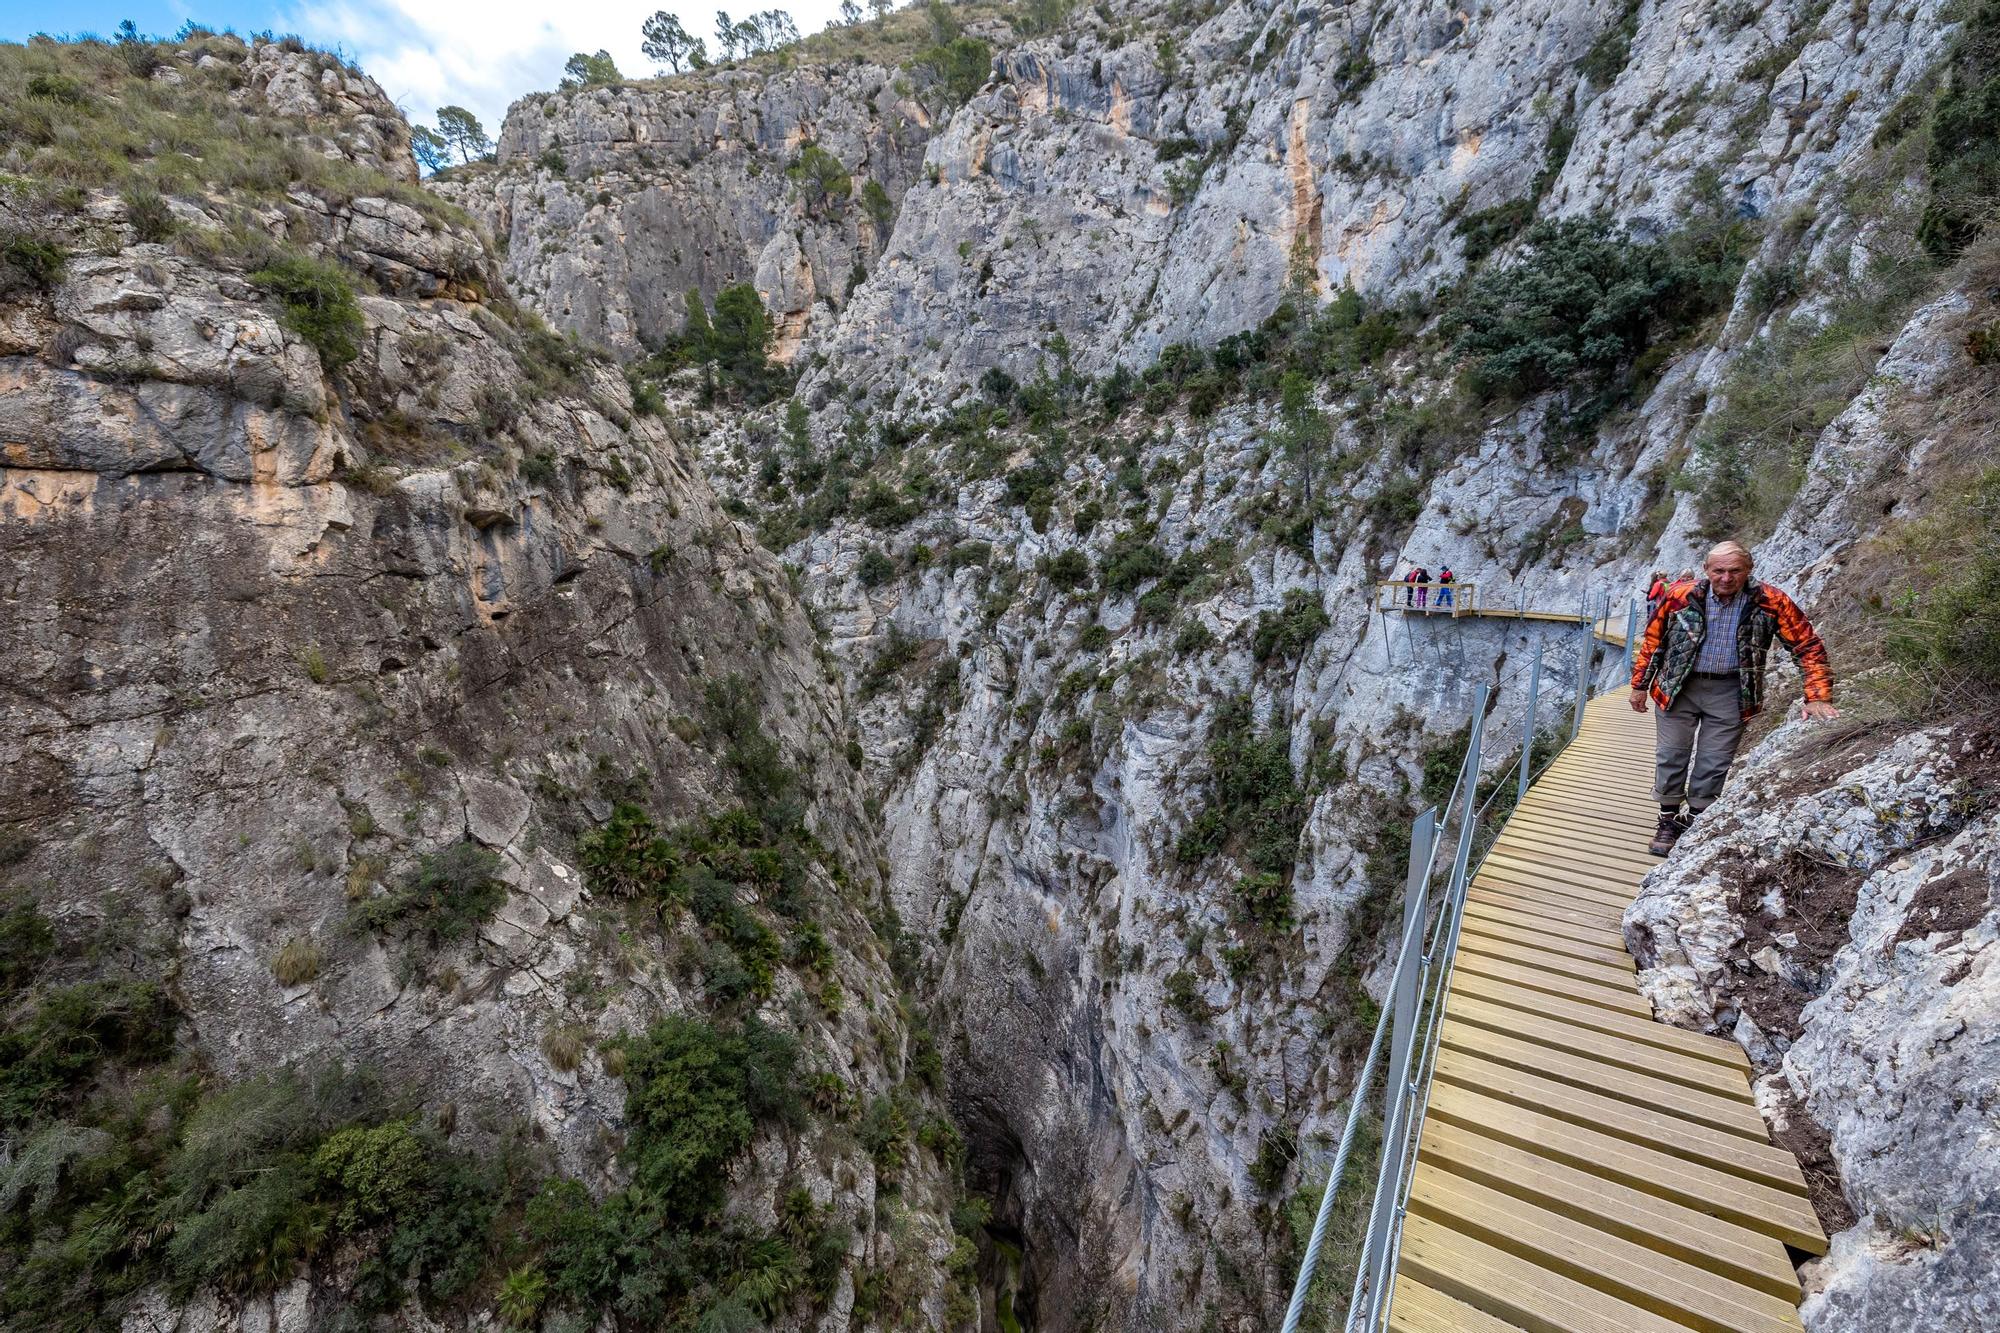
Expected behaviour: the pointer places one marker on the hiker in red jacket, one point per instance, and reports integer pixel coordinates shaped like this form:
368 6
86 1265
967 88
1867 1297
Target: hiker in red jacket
1702 661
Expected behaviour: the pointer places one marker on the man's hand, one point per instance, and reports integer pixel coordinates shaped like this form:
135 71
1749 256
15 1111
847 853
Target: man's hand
1819 710
1638 701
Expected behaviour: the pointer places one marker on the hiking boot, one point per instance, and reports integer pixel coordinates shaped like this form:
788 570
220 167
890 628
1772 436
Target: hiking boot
1668 833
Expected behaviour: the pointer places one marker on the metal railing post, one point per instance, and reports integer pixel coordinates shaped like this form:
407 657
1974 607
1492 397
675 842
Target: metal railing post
1405 990
1586 653
1528 727
1631 636
1469 815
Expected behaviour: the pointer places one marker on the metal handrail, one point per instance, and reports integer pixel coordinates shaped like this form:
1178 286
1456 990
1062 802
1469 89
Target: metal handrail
1419 983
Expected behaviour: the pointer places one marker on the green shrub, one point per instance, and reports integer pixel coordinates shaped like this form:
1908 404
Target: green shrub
821 178
1490 228
58 88
1587 310
695 1095
1067 569
968 555
318 305
1782 391
875 568
734 715
27 938
1606 59
521 1296
1254 803
1285 633
446 898
961 67
1194 637
1131 561
1184 996
30 263
884 1131
1964 155
1945 642
147 210
378 1172
1265 899
51 1049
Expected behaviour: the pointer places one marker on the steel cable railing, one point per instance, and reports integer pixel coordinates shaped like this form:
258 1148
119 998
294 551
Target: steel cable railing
1420 980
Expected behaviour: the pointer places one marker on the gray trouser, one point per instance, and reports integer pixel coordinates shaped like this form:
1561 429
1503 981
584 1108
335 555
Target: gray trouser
1704 725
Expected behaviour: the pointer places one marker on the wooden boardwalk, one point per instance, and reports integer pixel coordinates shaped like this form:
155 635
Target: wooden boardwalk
1583 1167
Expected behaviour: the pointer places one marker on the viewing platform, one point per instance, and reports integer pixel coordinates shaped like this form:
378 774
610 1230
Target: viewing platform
1454 601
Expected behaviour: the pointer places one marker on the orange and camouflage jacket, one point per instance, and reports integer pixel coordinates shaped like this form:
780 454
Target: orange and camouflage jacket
1672 641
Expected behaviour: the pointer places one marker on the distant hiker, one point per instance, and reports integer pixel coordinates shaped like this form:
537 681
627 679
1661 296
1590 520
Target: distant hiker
1445 579
1423 587
1410 591
1656 592
1702 658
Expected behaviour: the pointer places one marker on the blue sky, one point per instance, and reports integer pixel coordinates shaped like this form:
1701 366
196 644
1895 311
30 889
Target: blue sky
425 53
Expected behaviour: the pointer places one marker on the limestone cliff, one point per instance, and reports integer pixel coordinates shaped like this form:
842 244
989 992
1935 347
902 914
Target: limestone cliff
1089 479
345 606
1151 354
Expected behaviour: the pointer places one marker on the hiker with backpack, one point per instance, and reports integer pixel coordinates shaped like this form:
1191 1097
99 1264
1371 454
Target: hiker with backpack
1702 662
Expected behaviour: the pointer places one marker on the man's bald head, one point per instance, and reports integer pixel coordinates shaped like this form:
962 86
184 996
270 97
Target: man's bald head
1727 567
1727 550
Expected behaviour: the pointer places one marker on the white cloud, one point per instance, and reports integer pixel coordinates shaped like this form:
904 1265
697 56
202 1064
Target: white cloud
482 54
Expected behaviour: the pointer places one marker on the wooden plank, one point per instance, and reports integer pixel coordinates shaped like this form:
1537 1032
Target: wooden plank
1602 1111
1537 869
1512 1290
1686 1071
1522 955
1778 1213
1603 957
1609 863
1735 1252
1620 999
1604 786
1565 825
1644 1031
1666 1286
1627 842
1561 792
1541 899
1416 1308
1548 802
1572 824
1597 936
1603 854
1616 899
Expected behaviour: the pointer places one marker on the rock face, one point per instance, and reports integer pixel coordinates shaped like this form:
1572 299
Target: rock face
343 112
1836 911
1129 195
1049 604
612 203
1141 740
283 628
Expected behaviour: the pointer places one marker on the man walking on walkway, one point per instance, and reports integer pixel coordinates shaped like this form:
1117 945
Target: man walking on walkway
1702 658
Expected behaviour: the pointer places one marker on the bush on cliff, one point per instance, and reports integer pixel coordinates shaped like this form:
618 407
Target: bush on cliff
1964 156
1945 644
318 305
